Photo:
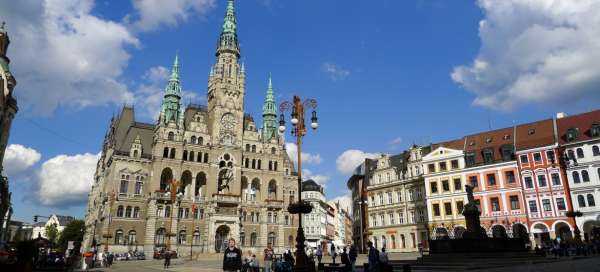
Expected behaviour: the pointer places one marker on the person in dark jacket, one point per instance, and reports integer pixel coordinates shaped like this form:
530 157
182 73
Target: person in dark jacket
353 254
232 258
373 258
345 260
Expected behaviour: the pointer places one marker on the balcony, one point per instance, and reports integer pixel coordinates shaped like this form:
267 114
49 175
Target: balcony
227 198
228 211
274 203
162 195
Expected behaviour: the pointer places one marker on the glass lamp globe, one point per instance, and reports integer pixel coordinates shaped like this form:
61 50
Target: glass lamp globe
294 120
281 129
314 125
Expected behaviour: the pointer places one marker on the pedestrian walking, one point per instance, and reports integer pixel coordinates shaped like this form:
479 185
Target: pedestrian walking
345 259
319 254
110 258
167 259
268 257
352 255
333 253
232 258
373 258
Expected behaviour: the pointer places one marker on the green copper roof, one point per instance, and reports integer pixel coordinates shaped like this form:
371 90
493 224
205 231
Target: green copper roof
174 86
171 106
228 40
269 113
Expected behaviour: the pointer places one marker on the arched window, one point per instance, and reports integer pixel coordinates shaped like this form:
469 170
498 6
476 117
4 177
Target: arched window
579 153
136 212
200 185
590 199
185 155
596 150
181 239
128 211
571 154
120 211
119 237
159 238
171 136
275 167
199 157
576 178
393 241
271 239
172 155
253 163
200 140
165 178
581 200
253 239
124 184
273 150
196 239
205 157
139 185
290 241
253 148
585 176
242 238
168 211
191 156
246 163
258 166
132 239
247 147
166 152
193 140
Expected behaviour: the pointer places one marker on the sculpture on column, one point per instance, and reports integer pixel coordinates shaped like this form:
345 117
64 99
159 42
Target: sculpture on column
471 213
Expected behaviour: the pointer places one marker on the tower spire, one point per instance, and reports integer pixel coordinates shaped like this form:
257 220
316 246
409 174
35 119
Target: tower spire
269 113
171 105
228 40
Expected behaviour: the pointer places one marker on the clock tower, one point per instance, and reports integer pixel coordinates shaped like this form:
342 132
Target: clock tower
226 86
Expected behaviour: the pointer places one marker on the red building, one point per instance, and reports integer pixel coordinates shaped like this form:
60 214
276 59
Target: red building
544 184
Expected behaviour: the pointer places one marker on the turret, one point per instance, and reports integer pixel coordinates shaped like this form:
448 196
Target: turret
171 105
269 114
228 40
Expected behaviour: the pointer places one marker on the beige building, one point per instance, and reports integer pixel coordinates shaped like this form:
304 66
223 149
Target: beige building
239 177
397 214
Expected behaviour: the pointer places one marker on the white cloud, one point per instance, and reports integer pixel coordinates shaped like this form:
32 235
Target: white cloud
63 55
320 179
395 143
345 202
157 74
535 52
347 162
334 71
154 13
308 158
18 158
65 180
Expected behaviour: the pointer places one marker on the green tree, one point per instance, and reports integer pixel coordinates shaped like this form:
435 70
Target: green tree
52 232
72 232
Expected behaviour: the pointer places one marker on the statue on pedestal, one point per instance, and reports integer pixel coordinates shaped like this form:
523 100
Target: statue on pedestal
471 213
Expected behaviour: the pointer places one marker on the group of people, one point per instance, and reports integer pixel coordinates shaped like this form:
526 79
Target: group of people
103 259
560 248
378 261
234 261
347 257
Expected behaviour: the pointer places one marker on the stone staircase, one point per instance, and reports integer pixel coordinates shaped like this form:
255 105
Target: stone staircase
470 261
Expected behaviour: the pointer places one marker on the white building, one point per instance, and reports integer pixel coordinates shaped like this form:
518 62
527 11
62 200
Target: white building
315 223
61 221
579 136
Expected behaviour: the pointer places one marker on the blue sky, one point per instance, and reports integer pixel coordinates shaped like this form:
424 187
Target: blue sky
386 74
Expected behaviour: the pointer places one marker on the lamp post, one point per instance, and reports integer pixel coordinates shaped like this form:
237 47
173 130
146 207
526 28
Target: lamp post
194 213
108 235
299 130
174 185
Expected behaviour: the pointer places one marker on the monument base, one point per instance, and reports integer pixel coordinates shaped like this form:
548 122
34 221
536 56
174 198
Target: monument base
477 245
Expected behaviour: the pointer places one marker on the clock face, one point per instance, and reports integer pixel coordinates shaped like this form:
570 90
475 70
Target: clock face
228 121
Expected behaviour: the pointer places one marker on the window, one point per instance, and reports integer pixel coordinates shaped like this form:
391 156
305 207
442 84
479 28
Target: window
491 178
124 184
470 159
572 134
273 150
380 199
120 211
560 204
581 200
595 130
576 178
119 237
166 152
510 176
454 164
431 168
381 221
436 209
555 179
253 237
488 155
443 166
537 157
181 240
132 240
570 154
128 211
590 199
531 131
585 176
399 196
473 181
514 202
550 155
171 136
459 206
524 159
542 180
389 197
139 185
200 141
392 221
445 185
532 206
193 140
136 212
508 152
400 218
580 153
546 204
448 208
528 182
434 187
457 184
495 204
596 150
421 214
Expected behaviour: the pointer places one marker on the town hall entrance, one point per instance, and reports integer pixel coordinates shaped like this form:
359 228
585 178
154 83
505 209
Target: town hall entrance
221 238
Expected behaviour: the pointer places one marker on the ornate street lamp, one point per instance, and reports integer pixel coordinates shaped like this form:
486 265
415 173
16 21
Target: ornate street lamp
108 235
173 186
299 130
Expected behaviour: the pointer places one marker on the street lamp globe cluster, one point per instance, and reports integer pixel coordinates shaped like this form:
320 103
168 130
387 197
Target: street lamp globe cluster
296 107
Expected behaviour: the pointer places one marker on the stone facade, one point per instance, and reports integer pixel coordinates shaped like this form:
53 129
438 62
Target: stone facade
397 209
8 109
239 178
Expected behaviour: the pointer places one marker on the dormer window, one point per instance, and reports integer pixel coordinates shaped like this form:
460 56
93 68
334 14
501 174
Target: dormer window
171 136
531 131
508 152
488 140
506 137
488 155
472 143
470 159
572 134
595 130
